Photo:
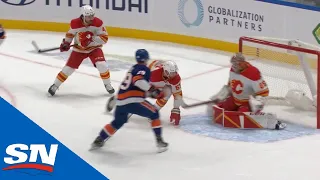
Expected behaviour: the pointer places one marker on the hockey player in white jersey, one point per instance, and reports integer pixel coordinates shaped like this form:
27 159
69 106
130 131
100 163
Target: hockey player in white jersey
247 94
2 34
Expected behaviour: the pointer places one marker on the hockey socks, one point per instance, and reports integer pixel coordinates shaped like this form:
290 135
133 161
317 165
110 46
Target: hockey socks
156 126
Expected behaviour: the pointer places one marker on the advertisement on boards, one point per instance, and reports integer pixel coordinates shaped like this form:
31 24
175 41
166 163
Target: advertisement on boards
117 13
225 20
229 20
221 19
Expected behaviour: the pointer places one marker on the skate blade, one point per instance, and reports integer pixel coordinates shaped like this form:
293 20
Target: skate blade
162 149
49 95
93 147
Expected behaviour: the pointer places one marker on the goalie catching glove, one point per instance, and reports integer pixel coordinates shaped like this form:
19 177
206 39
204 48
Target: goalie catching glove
256 103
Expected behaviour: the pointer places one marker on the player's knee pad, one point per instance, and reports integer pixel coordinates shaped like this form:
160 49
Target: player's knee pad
67 70
102 66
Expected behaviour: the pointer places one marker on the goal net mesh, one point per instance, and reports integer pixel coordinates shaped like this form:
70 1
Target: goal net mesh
285 64
281 66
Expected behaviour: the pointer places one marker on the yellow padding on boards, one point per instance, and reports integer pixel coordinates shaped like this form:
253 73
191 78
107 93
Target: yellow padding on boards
127 33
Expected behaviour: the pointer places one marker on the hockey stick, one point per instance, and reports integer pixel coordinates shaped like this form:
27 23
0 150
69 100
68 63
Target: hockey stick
214 101
220 96
35 45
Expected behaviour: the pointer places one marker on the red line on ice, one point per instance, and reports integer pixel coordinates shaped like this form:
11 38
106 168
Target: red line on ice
96 76
12 98
206 72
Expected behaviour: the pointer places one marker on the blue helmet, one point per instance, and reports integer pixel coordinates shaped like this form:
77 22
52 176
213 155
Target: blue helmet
142 55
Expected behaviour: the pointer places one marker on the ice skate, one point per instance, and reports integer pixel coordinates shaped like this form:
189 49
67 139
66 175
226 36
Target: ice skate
97 143
280 125
109 88
52 90
162 146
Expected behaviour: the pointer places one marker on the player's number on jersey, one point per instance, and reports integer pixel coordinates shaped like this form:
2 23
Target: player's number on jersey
127 81
263 84
178 87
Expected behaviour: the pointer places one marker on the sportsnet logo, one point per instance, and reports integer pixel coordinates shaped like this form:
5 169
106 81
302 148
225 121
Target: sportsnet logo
21 156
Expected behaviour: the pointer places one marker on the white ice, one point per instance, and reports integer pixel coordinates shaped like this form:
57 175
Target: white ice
76 115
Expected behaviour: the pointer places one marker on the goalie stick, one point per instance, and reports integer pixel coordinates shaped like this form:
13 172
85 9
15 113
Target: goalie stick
214 101
220 96
35 45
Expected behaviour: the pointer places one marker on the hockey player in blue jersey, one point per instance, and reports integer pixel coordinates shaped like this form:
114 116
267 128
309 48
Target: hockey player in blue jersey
131 99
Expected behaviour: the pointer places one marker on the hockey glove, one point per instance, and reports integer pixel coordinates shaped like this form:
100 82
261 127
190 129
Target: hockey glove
156 93
175 116
64 46
256 103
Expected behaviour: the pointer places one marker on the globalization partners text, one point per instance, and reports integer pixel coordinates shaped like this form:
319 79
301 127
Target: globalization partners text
235 18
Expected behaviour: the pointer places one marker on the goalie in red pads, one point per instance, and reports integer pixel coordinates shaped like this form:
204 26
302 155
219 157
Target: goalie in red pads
247 96
89 36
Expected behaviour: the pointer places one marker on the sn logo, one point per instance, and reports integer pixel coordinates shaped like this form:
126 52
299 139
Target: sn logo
18 157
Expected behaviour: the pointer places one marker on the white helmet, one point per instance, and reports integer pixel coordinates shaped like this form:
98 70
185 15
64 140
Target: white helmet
87 10
170 68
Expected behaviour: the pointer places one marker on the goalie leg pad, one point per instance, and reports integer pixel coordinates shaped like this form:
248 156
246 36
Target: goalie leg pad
228 104
265 120
244 108
246 120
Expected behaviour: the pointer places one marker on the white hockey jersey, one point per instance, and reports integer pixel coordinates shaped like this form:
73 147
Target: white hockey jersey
249 82
96 30
174 84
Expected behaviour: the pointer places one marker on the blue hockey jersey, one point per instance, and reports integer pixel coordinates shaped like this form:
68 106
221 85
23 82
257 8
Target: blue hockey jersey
128 92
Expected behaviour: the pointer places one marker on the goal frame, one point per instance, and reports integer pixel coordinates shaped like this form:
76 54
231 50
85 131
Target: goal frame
288 47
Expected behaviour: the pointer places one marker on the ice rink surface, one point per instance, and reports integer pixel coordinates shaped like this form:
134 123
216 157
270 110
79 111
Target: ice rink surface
76 115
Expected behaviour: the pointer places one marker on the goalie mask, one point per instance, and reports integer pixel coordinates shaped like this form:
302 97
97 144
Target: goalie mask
170 69
87 14
238 63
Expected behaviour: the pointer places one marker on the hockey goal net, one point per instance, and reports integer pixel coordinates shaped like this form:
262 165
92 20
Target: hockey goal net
287 65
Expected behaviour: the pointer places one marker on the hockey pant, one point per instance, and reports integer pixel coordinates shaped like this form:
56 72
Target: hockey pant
144 109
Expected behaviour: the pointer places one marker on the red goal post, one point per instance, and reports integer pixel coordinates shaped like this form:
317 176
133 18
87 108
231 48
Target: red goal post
289 64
